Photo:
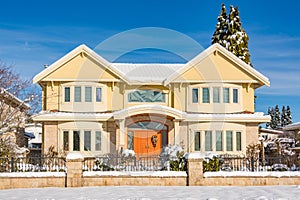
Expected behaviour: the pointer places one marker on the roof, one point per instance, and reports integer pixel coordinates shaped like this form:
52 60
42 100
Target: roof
293 126
162 73
13 99
155 109
147 72
29 135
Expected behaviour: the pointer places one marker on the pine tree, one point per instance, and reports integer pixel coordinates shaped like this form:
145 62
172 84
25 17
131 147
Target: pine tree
283 117
288 116
277 117
230 34
273 122
220 34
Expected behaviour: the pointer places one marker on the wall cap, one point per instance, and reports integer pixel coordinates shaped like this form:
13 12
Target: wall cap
74 156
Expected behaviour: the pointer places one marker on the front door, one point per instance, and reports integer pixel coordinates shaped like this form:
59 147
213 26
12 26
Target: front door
147 142
147 138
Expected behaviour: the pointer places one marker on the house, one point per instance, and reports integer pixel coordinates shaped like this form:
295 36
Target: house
97 107
13 113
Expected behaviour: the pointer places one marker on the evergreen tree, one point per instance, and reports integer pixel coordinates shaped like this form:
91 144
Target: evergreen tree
273 122
277 120
288 116
230 34
220 34
283 117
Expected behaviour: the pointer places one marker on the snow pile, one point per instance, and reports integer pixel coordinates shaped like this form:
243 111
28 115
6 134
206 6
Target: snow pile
136 173
128 153
171 151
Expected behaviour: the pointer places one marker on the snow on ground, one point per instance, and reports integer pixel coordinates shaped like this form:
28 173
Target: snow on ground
149 193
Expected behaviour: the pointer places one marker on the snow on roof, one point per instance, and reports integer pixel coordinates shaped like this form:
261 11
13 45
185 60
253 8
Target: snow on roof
57 116
293 126
14 98
147 72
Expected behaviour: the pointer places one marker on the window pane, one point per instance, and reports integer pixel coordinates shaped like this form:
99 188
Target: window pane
216 95
67 94
146 96
88 94
238 141
98 140
219 141
229 140
225 95
235 96
208 141
130 140
77 94
66 140
87 140
195 95
205 95
98 94
76 141
164 138
197 141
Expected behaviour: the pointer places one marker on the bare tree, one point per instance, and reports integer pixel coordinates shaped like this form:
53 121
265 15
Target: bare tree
18 99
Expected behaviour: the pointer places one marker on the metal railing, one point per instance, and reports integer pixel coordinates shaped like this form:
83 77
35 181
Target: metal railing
132 163
32 164
241 163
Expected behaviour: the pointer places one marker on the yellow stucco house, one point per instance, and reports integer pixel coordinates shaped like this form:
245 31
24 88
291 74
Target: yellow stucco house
96 107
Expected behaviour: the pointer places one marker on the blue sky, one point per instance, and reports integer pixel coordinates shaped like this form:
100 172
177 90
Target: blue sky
34 33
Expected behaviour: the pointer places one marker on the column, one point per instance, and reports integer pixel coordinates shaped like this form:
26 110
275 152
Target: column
74 169
195 169
176 133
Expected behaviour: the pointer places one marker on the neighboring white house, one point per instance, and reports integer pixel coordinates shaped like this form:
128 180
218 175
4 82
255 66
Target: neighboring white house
36 130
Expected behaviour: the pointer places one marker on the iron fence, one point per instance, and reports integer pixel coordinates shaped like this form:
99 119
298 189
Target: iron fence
242 163
32 164
128 163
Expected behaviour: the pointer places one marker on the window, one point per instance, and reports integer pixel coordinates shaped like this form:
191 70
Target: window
88 94
87 140
146 96
98 140
130 140
229 140
216 95
77 94
225 95
164 138
66 140
195 95
208 141
67 94
235 96
197 141
238 141
205 95
98 94
219 141
76 141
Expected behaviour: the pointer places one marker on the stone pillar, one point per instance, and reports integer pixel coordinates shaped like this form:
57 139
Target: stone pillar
195 169
74 162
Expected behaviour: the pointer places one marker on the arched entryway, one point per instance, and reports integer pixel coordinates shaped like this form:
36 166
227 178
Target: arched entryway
147 137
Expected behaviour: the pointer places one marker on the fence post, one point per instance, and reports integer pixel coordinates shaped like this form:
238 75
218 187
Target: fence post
12 169
74 169
195 169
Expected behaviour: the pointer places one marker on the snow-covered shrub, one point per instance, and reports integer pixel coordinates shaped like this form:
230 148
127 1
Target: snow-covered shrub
173 158
128 153
213 164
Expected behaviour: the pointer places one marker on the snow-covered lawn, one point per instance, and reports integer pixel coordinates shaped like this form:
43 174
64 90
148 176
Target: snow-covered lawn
147 193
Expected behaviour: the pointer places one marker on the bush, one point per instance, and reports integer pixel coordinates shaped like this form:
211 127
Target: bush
212 165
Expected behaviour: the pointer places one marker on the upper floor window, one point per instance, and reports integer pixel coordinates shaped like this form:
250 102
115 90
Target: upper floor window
205 95
67 94
195 95
88 94
216 95
146 96
225 95
77 94
235 96
98 94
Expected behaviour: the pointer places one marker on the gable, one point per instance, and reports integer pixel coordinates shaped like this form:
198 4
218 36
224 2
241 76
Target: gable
81 67
216 64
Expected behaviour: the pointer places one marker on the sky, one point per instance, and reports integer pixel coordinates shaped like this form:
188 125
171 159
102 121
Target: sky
35 33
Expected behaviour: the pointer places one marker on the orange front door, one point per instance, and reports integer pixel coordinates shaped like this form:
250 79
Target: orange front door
143 145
